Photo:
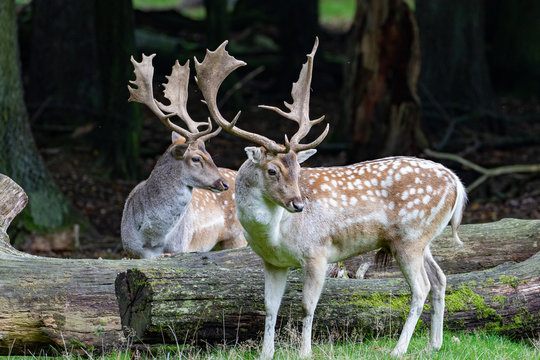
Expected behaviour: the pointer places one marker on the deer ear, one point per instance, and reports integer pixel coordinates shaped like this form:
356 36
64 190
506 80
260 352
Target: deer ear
254 154
304 155
176 136
178 151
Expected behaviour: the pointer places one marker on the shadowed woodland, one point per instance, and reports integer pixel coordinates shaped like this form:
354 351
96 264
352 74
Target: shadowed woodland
392 77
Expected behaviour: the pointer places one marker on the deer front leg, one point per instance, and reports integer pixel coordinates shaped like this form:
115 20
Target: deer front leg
275 280
315 270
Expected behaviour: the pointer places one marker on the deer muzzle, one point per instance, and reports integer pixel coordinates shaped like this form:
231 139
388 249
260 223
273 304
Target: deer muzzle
296 205
220 185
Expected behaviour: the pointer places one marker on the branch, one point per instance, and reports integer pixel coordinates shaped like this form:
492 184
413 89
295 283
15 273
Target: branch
486 173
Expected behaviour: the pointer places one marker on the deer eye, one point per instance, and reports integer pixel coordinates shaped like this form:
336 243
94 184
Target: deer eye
196 159
272 172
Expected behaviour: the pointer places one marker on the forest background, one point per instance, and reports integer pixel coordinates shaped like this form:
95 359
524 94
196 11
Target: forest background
392 77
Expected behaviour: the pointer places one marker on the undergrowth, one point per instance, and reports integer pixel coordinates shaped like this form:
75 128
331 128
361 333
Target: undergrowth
456 345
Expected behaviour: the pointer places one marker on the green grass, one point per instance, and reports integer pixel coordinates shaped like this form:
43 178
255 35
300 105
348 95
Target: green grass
336 11
457 345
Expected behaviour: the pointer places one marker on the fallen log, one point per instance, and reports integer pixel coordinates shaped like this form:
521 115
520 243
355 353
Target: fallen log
64 302
214 304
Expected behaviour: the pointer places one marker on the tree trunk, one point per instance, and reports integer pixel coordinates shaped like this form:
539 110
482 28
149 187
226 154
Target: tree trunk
50 301
454 66
381 103
18 153
79 73
214 304
512 27
117 136
298 26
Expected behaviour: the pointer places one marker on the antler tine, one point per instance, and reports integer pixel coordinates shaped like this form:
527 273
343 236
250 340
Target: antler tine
299 109
211 73
176 91
144 94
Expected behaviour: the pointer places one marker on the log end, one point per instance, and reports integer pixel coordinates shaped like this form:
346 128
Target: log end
13 199
133 292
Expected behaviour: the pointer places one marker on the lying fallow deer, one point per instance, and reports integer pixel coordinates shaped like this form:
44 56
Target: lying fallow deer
183 205
310 217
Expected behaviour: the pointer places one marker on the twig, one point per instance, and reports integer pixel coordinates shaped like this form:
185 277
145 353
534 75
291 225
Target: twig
486 173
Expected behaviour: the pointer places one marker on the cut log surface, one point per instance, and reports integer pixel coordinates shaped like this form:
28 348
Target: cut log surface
50 301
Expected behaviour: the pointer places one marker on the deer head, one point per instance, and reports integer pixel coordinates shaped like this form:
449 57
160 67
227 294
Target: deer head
278 165
187 157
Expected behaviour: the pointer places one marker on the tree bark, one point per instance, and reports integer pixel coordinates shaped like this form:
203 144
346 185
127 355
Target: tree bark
50 301
381 106
19 157
214 304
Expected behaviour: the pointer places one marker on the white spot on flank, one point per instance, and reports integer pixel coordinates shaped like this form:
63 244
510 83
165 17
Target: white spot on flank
397 177
412 191
429 189
384 193
402 212
367 183
410 204
363 197
405 195
353 200
426 199
420 191
325 187
391 205
374 182
314 191
334 183
333 202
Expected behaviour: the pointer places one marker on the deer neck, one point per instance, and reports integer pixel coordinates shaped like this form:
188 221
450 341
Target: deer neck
168 193
259 216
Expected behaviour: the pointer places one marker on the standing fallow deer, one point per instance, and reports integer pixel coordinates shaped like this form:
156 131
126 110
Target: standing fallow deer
310 217
183 205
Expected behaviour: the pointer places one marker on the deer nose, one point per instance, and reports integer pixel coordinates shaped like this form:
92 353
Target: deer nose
221 185
297 205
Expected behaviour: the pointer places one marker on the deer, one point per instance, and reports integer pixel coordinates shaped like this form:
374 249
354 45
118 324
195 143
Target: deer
310 217
183 206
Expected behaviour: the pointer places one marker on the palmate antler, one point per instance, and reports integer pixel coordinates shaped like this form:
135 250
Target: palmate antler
218 64
176 91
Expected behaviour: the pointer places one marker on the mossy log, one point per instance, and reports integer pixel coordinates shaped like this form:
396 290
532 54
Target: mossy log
48 302
161 304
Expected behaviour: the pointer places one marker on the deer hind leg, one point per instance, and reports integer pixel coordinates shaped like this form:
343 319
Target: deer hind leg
275 280
314 272
437 279
411 263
